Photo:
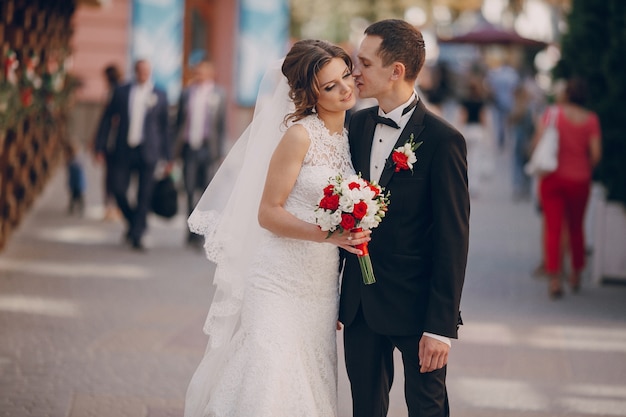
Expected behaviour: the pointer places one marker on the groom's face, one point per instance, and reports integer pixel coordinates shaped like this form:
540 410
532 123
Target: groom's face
371 77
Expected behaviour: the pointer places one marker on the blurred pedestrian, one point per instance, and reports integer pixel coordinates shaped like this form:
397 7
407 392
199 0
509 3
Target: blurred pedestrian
113 78
200 133
564 193
76 180
502 81
437 89
473 122
141 141
523 127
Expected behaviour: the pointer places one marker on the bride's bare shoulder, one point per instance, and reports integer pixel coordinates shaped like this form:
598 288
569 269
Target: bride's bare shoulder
298 134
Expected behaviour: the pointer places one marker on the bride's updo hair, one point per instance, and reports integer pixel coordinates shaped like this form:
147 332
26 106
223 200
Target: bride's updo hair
301 66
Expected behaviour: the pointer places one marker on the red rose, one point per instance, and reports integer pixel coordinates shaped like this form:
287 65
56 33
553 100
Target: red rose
360 210
347 221
330 202
354 185
401 161
328 191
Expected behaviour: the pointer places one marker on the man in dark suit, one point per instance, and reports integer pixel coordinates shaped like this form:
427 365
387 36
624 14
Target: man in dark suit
419 251
139 111
200 129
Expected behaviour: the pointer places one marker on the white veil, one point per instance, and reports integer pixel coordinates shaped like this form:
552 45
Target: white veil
226 216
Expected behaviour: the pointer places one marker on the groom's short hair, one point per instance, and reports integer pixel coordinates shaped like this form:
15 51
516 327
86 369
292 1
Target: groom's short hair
401 42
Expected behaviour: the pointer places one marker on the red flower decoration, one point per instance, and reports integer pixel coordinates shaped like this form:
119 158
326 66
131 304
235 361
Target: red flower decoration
400 159
360 210
330 202
404 156
347 221
375 189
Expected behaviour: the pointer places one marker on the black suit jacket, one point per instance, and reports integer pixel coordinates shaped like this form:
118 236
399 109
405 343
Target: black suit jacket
155 144
419 250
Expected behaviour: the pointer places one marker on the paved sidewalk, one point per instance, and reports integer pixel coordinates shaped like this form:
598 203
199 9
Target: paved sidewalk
89 328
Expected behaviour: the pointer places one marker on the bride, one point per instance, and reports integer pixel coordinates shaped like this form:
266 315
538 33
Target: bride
271 325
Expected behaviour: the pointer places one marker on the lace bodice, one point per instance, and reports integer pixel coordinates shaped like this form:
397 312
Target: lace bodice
328 155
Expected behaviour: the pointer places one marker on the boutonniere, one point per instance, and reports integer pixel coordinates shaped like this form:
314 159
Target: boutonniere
404 156
153 99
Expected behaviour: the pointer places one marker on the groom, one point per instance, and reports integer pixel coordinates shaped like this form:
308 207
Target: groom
419 251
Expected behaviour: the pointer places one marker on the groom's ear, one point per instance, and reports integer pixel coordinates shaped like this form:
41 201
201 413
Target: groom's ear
398 71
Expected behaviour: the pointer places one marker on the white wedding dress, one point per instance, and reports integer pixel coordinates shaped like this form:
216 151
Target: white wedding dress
282 361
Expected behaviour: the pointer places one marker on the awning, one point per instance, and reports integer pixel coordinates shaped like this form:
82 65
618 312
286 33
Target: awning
492 35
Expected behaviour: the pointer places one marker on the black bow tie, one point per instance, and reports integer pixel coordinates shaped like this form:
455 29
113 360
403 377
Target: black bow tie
385 121
391 123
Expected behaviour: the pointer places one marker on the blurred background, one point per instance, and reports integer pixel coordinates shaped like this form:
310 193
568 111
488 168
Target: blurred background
54 54
89 328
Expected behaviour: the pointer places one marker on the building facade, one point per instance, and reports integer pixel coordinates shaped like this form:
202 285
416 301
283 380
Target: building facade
103 35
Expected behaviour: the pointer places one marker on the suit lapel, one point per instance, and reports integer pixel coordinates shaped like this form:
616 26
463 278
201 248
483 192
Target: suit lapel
414 126
366 147
126 98
127 103
153 100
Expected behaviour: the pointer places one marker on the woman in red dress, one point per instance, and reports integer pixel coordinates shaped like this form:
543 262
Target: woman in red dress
564 193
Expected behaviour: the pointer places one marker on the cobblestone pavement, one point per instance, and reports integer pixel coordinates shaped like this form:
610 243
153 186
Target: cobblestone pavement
89 328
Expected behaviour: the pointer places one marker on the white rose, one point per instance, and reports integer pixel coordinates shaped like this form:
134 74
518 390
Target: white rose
346 203
327 221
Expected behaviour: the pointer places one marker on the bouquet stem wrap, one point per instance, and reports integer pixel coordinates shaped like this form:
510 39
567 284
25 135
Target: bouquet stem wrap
367 271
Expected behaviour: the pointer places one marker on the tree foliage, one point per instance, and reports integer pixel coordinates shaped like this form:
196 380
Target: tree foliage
332 19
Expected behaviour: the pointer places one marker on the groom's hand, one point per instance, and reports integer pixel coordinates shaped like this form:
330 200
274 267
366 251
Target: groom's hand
433 354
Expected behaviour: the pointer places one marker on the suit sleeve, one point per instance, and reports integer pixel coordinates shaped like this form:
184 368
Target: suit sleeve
162 120
180 117
451 209
355 134
175 136
221 126
104 127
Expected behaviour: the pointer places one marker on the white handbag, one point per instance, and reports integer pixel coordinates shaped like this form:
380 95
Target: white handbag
544 158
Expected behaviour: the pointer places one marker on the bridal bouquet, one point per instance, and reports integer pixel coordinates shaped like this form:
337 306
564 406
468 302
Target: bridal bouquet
352 204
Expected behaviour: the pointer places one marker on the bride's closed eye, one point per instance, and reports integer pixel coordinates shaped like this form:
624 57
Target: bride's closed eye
330 87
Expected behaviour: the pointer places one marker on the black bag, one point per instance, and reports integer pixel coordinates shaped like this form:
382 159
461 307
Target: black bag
165 198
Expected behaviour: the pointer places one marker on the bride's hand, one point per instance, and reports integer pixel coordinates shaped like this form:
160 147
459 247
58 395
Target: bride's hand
348 241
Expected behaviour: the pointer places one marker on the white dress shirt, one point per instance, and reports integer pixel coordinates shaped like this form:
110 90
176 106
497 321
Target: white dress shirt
139 101
198 105
385 137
